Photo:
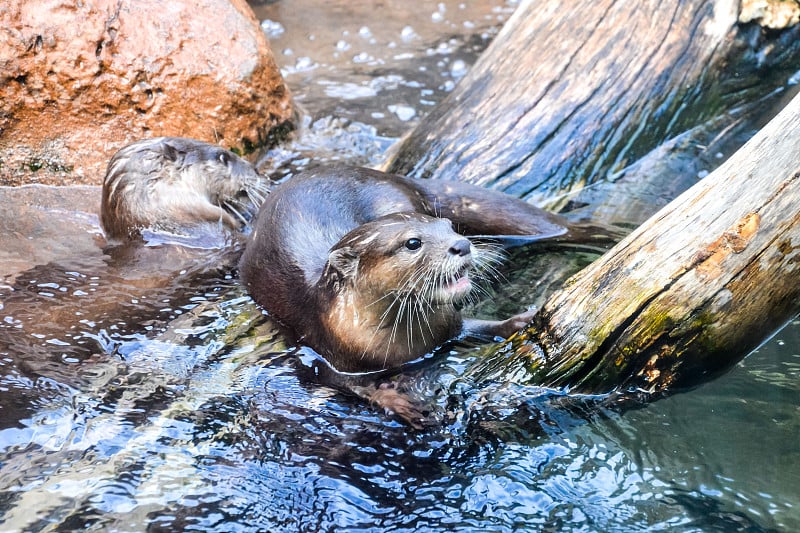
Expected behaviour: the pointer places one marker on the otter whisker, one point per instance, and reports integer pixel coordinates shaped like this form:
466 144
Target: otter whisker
413 305
376 301
232 209
425 309
486 266
257 195
489 254
409 285
401 297
477 295
421 313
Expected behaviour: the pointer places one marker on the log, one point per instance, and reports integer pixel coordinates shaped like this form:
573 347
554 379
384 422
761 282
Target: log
564 97
690 292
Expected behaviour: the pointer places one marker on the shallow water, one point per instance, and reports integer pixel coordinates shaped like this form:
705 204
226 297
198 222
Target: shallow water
364 73
131 405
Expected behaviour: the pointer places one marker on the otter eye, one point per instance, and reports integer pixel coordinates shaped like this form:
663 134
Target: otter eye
413 244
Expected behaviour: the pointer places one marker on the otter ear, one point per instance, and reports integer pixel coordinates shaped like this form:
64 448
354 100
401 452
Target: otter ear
344 261
170 152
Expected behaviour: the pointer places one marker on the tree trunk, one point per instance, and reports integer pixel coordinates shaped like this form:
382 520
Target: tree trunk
693 290
564 97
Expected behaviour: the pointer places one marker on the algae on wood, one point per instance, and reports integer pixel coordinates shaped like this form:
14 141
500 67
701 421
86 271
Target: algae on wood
693 290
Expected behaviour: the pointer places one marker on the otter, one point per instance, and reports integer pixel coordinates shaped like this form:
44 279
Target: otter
174 213
179 186
368 268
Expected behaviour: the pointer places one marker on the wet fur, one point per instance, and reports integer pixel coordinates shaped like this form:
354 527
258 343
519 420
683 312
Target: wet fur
325 240
382 304
326 256
176 185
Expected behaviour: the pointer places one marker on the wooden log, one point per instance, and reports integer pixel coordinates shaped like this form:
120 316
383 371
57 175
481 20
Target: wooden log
563 97
689 293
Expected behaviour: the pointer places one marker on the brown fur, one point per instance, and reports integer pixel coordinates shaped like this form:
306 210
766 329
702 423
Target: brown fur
325 259
382 304
176 185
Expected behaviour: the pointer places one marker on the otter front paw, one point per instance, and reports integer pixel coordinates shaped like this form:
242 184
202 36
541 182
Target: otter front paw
508 327
498 328
387 397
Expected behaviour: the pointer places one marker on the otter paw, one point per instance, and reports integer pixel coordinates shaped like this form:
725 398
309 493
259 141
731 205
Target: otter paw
517 322
399 404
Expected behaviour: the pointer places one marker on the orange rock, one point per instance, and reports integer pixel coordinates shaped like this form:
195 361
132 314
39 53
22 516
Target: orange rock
79 80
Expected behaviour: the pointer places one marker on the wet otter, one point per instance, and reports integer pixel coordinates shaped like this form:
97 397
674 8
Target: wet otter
178 186
361 264
365 269
172 210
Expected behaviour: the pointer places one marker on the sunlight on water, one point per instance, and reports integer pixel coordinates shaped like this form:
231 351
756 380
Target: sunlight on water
361 83
209 425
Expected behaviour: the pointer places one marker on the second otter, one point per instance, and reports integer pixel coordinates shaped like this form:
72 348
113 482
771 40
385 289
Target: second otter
358 263
178 185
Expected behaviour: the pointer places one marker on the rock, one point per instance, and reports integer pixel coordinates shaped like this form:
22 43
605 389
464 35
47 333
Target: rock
79 80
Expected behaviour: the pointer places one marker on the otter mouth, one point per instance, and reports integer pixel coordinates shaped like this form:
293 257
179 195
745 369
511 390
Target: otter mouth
454 287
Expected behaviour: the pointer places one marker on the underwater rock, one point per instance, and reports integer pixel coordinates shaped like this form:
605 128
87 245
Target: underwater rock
80 80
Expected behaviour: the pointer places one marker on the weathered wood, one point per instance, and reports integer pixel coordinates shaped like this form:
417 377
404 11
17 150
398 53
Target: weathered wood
690 292
629 197
564 97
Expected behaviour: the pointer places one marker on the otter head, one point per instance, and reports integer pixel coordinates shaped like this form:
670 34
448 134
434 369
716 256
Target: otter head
390 288
177 185
403 257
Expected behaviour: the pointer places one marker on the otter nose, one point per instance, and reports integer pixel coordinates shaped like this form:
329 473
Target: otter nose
461 247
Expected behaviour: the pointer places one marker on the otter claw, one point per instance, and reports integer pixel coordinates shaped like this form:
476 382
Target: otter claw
494 328
399 404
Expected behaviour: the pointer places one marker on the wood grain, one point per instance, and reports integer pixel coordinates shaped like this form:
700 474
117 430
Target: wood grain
694 289
565 96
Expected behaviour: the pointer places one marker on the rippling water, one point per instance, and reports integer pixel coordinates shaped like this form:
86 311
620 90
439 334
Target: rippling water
209 425
161 399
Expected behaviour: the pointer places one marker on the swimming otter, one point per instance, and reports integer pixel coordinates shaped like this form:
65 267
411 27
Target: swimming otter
365 269
178 186
142 276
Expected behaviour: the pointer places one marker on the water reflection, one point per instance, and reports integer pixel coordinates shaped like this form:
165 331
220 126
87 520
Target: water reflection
390 63
186 409
362 74
211 427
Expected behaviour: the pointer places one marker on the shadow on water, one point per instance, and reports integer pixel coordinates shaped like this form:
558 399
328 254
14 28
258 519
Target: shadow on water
142 399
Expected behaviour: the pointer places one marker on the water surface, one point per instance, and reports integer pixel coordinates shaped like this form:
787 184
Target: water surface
136 402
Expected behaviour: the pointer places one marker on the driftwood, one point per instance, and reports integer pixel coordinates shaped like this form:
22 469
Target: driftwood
565 97
690 292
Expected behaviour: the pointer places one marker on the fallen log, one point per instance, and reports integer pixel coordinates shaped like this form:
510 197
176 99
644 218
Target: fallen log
689 293
564 97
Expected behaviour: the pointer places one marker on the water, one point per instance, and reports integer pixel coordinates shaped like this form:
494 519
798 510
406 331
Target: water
364 75
131 401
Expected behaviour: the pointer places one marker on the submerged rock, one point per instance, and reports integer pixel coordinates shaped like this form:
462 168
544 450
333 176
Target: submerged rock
80 80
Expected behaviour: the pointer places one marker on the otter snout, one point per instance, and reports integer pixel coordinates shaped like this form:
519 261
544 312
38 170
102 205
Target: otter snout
460 248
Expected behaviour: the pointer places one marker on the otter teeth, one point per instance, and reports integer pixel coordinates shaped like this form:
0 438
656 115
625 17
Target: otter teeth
457 282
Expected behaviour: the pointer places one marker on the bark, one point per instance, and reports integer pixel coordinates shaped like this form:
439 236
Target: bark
690 292
564 97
